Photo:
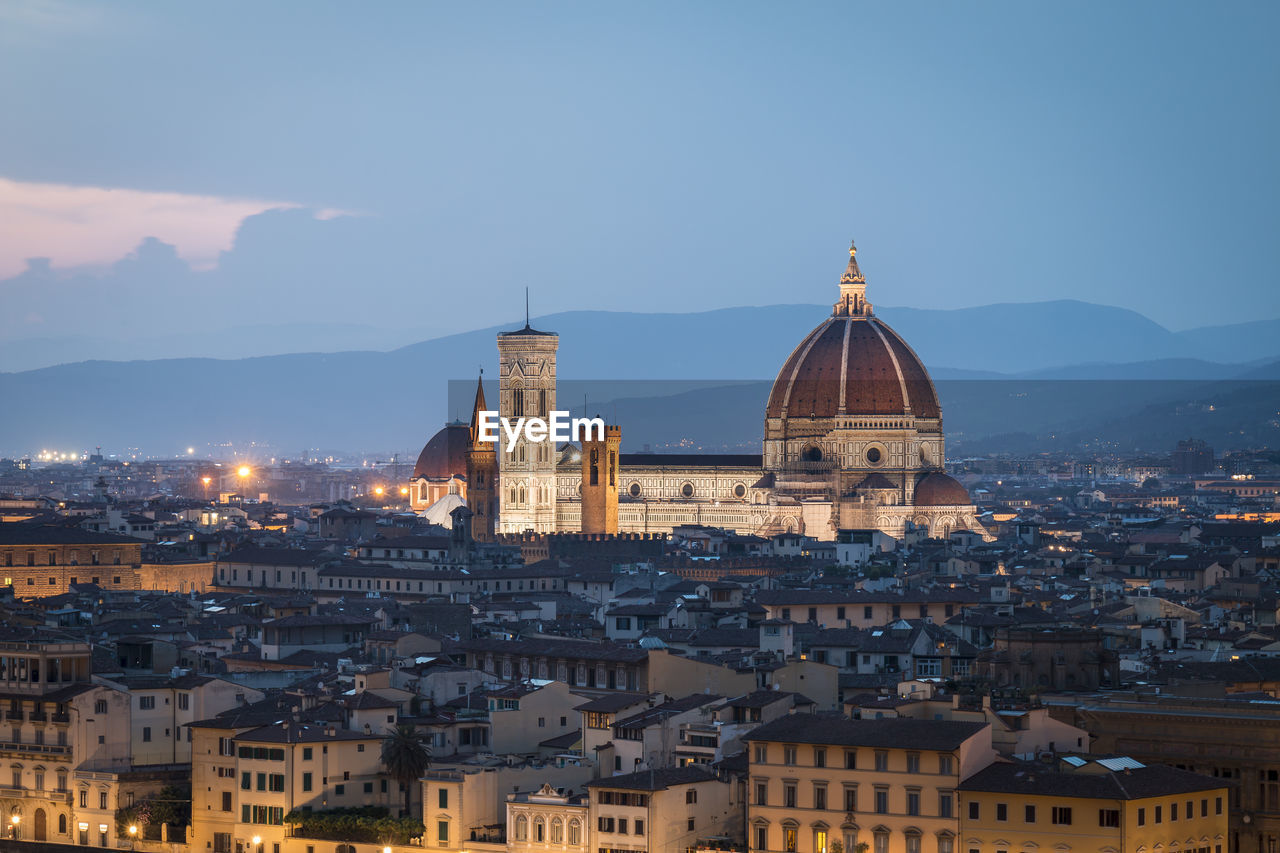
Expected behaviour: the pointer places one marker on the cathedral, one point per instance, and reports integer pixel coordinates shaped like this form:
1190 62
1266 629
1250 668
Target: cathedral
852 440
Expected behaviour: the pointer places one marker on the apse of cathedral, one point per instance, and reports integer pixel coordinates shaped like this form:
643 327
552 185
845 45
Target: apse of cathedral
853 440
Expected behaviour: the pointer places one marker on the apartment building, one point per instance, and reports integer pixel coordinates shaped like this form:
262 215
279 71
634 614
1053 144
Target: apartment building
664 810
891 783
1081 803
246 779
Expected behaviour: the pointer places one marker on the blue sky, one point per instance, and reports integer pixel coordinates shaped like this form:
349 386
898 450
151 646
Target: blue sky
414 166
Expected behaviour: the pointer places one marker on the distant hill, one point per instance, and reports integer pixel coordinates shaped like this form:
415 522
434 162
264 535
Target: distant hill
370 399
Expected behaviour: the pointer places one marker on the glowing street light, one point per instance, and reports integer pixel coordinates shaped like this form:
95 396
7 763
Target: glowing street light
15 820
404 490
378 491
244 471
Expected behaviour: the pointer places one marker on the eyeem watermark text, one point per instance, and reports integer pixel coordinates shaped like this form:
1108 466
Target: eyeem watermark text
561 427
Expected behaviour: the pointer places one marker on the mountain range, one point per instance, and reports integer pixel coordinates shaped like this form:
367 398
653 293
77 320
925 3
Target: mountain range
1115 361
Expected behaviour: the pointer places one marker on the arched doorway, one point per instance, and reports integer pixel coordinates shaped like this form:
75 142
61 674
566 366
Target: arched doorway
39 827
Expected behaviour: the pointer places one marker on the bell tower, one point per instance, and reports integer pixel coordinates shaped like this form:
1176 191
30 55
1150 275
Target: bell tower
527 389
600 481
482 475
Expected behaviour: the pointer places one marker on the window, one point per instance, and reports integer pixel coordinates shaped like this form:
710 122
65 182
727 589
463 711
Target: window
819 757
1061 816
639 827
306 781
913 843
850 759
1109 818
146 703
1217 805
944 765
820 797
974 811
146 734
1029 814
762 837
882 800
1173 811
788 755
1159 814
1142 817
789 794
102 800
339 790
851 798
882 760
246 781
226 801
575 832
945 801
442 798
762 754
84 797
100 707
762 793
184 701
1002 811
442 831
789 839
913 802
913 762
691 795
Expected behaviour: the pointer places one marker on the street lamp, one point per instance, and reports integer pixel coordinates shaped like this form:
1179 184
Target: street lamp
15 820
133 835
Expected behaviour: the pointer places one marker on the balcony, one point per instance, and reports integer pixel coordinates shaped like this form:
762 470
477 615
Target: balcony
61 718
37 748
38 717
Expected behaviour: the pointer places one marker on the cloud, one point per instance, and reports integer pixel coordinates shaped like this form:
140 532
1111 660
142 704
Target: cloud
88 226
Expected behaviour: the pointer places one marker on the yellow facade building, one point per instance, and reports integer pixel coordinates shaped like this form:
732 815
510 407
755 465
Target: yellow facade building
827 784
1092 805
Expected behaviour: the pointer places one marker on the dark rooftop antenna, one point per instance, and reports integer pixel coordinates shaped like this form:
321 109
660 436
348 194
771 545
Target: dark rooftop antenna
526 307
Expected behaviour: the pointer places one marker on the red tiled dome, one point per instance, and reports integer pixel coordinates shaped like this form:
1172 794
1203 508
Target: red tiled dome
938 489
852 365
445 454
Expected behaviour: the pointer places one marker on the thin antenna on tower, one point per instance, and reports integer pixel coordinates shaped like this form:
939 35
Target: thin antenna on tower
526 307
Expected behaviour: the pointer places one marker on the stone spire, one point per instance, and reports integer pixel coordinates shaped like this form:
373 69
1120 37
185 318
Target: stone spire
853 290
476 409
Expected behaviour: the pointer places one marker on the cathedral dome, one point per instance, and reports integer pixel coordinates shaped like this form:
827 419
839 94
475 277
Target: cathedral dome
445 455
852 364
938 489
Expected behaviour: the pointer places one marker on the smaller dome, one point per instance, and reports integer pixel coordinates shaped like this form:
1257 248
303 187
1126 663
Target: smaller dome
445 454
875 480
938 489
439 512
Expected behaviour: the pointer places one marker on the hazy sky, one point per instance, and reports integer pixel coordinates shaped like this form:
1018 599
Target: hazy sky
415 166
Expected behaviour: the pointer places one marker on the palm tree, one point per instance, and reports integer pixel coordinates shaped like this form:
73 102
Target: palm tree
406 753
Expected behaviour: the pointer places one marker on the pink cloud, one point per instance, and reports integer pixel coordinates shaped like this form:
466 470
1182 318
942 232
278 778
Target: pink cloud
81 225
